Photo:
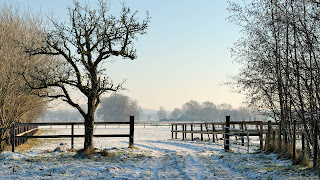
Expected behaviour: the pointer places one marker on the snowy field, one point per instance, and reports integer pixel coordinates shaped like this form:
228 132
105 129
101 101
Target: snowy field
155 156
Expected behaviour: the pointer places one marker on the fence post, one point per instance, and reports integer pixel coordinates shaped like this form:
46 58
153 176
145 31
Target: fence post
213 129
242 137
13 136
72 133
261 135
131 131
268 136
176 133
183 131
185 128
172 131
226 134
201 136
294 140
315 144
191 132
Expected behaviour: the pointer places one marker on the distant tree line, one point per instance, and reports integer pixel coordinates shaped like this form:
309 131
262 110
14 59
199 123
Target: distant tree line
207 112
118 107
61 115
280 54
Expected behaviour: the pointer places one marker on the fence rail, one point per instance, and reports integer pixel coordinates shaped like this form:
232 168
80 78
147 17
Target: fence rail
16 137
25 129
238 132
271 135
283 142
226 129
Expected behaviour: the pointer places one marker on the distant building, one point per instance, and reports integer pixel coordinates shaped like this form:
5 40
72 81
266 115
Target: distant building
181 117
164 119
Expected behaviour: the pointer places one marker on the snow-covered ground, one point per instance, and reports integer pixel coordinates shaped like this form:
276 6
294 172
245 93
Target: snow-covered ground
155 156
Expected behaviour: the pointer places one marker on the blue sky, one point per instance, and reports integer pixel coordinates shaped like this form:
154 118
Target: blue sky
184 56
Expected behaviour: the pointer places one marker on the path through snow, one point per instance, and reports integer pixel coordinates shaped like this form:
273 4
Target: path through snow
187 160
156 156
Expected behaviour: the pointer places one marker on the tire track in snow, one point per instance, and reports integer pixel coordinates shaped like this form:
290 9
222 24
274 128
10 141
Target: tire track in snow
195 169
172 167
180 160
219 169
169 163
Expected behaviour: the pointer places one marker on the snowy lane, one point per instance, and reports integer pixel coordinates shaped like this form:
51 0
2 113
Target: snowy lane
187 160
155 156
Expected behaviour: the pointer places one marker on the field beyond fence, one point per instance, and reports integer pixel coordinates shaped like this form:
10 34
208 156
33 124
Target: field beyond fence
18 137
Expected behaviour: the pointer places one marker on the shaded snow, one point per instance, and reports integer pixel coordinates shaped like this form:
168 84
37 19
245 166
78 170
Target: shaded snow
156 156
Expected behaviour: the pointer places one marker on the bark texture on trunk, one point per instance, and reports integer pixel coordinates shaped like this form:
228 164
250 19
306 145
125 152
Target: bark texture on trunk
88 139
89 124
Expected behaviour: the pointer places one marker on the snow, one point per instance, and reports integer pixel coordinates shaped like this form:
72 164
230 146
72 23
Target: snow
155 156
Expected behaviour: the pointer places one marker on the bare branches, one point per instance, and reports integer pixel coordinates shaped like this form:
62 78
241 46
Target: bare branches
90 37
280 51
16 103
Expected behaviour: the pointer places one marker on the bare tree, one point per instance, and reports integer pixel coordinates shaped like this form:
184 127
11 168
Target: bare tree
224 109
175 113
17 104
118 107
209 111
162 113
84 43
280 53
192 109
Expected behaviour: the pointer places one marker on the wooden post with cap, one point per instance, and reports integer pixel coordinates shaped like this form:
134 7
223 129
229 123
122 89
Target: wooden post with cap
13 135
131 131
226 134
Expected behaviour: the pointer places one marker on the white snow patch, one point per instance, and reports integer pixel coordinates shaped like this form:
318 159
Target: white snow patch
156 156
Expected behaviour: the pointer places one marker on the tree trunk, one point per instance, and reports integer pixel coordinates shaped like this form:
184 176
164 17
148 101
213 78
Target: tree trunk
88 139
89 123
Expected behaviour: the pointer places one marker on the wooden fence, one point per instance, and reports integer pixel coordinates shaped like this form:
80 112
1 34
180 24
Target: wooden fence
271 139
295 142
24 135
23 129
226 129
